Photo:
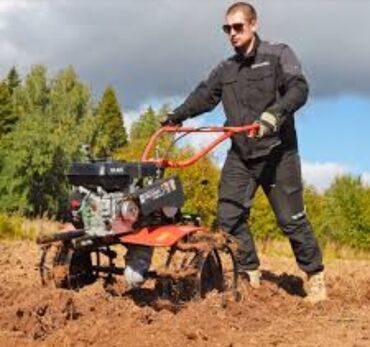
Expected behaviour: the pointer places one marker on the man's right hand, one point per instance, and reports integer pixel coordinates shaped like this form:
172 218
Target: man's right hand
268 125
170 120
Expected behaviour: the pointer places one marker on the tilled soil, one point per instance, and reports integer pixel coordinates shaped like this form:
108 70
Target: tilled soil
274 315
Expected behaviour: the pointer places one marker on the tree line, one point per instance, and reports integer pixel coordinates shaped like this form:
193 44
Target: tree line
45 120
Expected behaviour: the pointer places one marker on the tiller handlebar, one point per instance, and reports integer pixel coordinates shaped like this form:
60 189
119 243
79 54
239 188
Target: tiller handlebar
226 132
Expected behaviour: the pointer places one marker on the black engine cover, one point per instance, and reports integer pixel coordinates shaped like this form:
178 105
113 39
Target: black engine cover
110 175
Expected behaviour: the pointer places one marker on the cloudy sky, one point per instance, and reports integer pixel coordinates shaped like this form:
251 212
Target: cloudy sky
156 51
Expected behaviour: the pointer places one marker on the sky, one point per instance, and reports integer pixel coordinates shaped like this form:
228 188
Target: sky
156 51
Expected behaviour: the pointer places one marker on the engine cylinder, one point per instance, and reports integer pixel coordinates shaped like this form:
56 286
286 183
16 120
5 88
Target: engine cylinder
130 211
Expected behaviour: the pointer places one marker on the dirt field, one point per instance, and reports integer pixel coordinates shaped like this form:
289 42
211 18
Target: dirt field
275 315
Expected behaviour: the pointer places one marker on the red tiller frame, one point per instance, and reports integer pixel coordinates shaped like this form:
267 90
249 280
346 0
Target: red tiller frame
227 132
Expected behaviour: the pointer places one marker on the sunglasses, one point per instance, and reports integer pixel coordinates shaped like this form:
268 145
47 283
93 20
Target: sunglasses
237 27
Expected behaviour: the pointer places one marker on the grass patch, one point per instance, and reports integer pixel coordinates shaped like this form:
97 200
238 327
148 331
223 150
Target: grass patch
331 250
15 227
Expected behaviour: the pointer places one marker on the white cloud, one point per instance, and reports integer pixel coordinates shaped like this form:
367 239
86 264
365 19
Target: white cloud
321 175
146 58
7 6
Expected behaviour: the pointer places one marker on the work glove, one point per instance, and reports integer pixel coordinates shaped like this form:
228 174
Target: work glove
171 120
269 124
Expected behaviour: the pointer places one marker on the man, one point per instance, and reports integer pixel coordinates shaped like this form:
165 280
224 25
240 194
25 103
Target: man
261 83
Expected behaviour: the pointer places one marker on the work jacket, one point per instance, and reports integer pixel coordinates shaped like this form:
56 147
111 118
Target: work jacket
270 79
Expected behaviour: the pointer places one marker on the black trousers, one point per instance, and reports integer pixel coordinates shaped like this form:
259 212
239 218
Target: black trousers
279 174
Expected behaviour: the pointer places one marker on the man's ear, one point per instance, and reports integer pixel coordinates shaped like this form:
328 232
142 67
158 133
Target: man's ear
254 26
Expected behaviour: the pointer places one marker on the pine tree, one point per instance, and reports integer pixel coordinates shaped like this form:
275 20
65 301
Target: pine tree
69 97
35 96
7 116
13 80
141 130
146 125
70 109
110 132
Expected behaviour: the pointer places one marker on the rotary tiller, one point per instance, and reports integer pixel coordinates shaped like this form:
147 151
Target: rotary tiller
132 204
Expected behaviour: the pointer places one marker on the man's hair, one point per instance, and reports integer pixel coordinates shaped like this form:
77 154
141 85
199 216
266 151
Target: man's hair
248 10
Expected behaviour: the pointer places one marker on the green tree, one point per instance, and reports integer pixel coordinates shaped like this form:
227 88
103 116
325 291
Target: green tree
348 212
69 96
35 94
71 111
110 131
262 220
32 180
56 119
13 80
200 182
7 116
146 125
315 205
141 130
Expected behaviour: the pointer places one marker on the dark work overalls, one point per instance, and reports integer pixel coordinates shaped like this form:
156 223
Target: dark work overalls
267 79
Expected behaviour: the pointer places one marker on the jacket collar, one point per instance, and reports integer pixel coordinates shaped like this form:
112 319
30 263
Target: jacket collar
242 56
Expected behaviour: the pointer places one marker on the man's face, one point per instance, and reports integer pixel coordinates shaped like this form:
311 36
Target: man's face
239 29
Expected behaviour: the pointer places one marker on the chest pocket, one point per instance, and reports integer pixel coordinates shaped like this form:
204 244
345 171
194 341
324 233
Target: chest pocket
230 96
257 87
261 78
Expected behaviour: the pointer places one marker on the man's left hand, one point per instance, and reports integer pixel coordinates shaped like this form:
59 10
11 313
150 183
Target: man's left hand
268 123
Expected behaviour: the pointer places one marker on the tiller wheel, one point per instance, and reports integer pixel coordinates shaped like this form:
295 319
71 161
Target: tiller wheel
195 266
65 267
